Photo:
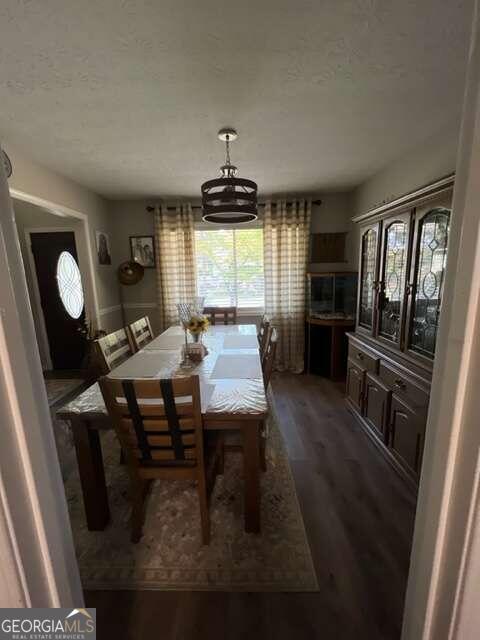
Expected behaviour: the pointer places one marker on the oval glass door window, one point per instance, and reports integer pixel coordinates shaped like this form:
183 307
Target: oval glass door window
69 281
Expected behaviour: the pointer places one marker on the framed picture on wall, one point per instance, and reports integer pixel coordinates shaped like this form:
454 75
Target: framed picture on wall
142 249
103 248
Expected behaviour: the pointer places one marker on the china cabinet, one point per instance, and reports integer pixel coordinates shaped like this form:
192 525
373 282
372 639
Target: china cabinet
403 255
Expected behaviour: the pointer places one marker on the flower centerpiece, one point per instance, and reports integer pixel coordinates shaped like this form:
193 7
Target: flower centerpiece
197 325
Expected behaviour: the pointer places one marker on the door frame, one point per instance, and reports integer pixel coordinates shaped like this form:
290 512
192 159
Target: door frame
442 591
447 538
36 302
38 563
66 212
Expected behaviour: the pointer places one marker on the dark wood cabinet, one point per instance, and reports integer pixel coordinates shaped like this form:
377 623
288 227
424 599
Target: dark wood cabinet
407 428
393 278
403 254
355 381
368 277
376 406
430 242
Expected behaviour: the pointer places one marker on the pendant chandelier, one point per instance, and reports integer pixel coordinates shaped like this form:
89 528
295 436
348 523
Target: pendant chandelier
229 199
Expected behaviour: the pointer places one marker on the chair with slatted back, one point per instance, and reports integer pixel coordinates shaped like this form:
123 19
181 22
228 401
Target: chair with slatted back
262 334
228 314
113 349
159 426
140 333
268 358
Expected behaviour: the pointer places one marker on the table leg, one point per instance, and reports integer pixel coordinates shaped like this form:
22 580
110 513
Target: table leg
92 474
251 466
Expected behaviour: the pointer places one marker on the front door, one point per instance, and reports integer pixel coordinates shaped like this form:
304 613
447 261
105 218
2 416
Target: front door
61 296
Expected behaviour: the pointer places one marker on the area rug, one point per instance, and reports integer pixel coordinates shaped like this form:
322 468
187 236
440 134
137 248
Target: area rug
170 555
58 388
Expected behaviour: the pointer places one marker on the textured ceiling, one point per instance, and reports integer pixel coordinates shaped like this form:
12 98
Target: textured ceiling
126 97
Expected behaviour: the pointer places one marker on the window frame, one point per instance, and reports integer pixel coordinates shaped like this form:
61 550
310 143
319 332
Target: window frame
207 226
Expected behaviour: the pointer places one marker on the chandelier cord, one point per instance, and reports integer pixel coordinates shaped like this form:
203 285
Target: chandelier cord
227 154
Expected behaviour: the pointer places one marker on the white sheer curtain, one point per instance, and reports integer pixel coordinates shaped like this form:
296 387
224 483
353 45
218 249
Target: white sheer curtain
175 249
286 241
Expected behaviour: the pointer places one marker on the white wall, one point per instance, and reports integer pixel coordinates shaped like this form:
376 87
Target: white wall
32 180
427 161
130 218
334 216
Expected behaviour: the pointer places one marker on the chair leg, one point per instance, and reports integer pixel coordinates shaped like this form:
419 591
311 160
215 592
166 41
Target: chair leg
139 493
204 513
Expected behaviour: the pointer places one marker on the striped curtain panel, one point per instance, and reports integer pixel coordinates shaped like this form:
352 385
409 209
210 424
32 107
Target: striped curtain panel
286 242
175 249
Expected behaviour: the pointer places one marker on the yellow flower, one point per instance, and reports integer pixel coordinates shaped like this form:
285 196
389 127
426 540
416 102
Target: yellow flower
198 324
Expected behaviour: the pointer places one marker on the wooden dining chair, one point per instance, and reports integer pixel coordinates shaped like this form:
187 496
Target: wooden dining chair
263 334
268 359
113 349
140 333
229 314
159 426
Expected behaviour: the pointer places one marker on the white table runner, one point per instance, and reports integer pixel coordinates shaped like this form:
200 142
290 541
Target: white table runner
168 342
240 366
147 364
240 341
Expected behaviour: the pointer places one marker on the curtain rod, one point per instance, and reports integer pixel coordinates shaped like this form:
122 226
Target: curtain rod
260 204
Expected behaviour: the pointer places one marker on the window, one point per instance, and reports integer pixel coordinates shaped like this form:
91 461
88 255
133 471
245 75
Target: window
230 267
69 283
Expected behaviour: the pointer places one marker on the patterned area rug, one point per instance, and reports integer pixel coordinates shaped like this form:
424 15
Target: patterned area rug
170 555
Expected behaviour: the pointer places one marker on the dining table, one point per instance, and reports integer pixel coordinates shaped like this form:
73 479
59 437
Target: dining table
232 398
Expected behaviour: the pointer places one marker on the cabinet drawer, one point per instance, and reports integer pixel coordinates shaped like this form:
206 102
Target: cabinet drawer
363 358
415 395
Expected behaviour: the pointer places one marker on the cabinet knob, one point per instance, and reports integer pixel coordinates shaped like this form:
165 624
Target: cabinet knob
360 356
398 382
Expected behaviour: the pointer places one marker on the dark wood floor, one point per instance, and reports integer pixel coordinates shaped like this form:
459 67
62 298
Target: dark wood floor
359 520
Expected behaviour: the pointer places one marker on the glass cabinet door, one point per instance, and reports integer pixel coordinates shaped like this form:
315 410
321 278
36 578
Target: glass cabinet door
431 242
393 278
368 277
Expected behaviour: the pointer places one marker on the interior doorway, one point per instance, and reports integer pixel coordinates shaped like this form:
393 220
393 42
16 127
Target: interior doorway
62 293
61 296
